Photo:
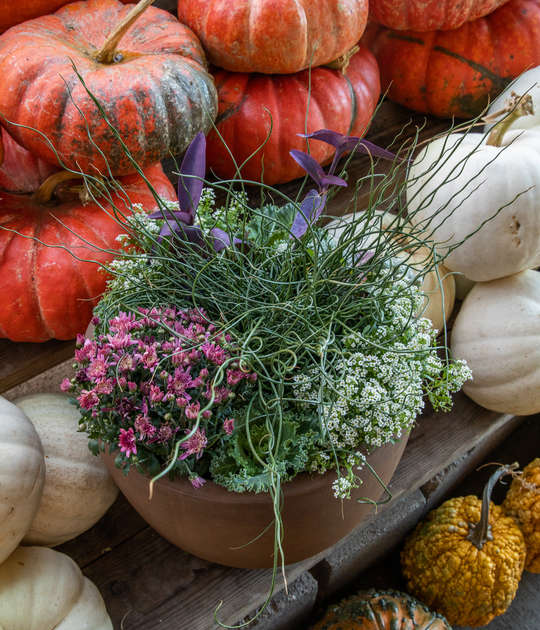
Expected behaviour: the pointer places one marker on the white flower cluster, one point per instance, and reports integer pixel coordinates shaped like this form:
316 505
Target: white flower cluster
383 375
131 269
209 216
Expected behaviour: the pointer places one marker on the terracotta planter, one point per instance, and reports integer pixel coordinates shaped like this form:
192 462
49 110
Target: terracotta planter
217 525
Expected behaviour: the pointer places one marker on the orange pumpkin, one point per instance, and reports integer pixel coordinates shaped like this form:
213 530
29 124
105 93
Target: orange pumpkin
20 171
12 12
47 292
454 73
252 105
419 15
275 36
149 77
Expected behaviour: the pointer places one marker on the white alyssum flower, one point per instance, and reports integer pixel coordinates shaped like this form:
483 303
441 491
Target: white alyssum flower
383 376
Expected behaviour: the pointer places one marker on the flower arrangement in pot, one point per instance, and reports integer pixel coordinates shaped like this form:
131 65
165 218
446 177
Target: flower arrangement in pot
248 373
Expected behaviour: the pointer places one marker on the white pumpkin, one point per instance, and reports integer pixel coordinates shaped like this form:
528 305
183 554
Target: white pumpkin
438 284
459 187
497 331
526 83
78 489
22 474
463 286
43 589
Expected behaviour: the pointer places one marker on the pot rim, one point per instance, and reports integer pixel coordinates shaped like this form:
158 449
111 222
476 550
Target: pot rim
302 483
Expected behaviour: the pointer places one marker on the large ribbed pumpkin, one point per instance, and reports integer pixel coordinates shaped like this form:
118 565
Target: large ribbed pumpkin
20 171
152 85
22 474
78 489
12 12
497 331
46 292
419 15
454 73
253 105
43 589
275 36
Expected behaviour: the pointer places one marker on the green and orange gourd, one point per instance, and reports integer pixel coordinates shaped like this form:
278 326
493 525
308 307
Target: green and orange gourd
378 610
146 70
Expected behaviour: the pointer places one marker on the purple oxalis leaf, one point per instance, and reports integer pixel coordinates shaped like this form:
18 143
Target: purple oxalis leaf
192 171
186 233
169 215
316 171
366 257
332 180
343 144
222 240
310 165
310 210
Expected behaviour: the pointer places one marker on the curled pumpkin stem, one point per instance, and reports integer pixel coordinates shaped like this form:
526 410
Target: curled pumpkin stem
480 533
107 53
45 192
516 107
342 63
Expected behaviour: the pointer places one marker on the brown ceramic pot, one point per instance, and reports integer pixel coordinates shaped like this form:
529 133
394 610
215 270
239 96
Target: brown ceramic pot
217 525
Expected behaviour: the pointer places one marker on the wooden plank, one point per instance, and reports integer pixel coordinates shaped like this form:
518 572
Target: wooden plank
158 585
119 524
148 583
19 362
439 439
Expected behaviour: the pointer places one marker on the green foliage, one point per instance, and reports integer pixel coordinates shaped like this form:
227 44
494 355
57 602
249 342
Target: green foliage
239 469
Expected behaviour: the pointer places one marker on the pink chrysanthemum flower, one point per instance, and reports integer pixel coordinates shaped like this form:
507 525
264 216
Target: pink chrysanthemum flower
196 481
192 410
126 442
214 353
88 399
98 367
195 445
144 428
228 426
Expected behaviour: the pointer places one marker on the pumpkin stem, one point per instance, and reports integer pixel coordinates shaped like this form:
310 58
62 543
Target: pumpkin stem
342 63
480 533
45 192
516 107
107 54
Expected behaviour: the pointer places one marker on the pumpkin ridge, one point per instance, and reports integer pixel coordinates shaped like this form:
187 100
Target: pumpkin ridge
501 82
33 288
303 18
406 37
56 231
375 615
354 104
64 98
232 110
